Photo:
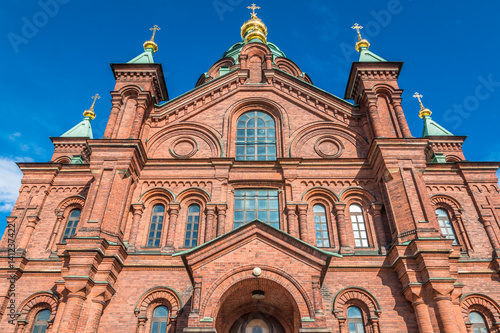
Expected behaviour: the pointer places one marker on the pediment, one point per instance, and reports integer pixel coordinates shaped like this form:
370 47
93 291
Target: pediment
208 95
265 245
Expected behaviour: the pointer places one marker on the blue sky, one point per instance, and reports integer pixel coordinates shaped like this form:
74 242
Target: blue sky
56 55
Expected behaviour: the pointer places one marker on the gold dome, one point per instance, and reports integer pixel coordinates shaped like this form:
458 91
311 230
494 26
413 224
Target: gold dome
90 112
149 44
361 43
254 28
424 112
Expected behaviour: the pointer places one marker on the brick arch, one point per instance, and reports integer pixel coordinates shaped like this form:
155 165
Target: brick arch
275 110
447 202
362 299
157 192
194 191
320 191
187 130
356 194
63 160
71 202
327 130
42 300
212 300
130 91
484 305
155 295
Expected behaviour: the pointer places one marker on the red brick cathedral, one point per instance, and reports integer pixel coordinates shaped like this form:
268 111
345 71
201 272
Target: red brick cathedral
254 203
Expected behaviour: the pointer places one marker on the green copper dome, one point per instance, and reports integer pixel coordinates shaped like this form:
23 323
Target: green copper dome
234 51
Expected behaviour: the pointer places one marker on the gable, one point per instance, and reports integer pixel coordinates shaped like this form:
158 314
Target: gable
201 123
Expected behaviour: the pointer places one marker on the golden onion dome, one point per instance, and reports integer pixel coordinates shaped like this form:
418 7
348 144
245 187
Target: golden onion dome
254 28
361 43
149 44
424 112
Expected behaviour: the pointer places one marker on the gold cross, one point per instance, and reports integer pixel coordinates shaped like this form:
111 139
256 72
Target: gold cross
357 27
253 7
95 97
419 96
154 31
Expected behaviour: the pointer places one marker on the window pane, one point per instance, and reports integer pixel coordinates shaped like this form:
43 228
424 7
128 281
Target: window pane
256 137
156 226
192 224
358 226
260 204
161 311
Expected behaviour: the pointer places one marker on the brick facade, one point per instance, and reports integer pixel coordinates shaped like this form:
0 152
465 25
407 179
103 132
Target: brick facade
108 277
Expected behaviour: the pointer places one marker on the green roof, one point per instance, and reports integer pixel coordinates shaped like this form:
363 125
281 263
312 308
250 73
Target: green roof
82 130
431 128
145 57
368 56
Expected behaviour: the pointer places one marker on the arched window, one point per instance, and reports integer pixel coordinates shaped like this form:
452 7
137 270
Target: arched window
160 320
193 219
73 219
41 322
255 137
156 226
478 322
355 320
322 238
358 226
446 227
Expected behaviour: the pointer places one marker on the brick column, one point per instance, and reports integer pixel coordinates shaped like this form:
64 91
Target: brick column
139 116
95 314
221 219
196 295
486 220
421 311
172 223
379 227
375 326
463 233
138 210
291 215
403 125
373 114
341 225
55 232
210 224
141 324
445 313
30 227
318 302
113 116
72 310
304 235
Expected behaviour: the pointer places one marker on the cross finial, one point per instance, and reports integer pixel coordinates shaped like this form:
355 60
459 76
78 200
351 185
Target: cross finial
357 27
253 7
419 96
95 97
154 31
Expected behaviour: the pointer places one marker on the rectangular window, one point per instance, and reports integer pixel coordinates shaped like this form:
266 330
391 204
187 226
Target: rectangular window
250 205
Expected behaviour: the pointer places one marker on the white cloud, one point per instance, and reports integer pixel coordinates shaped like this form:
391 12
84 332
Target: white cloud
10 181
14 136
